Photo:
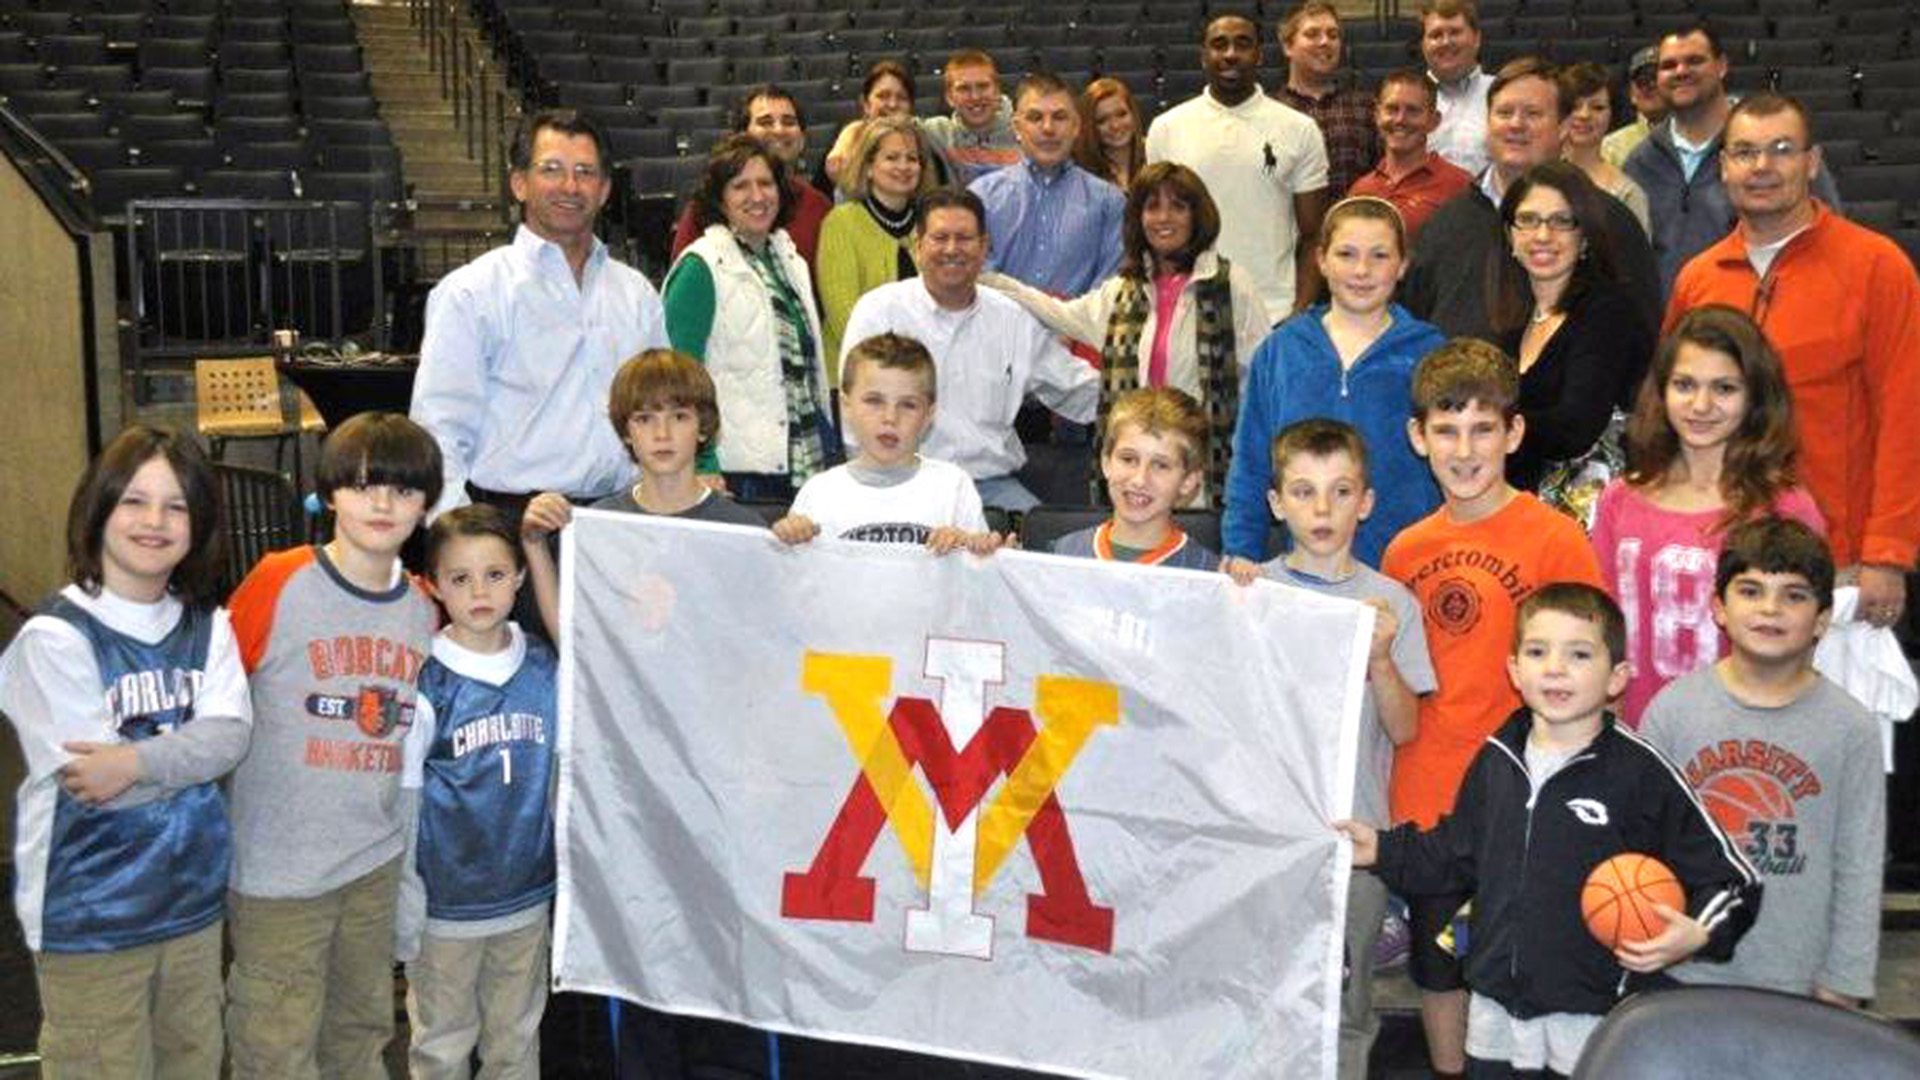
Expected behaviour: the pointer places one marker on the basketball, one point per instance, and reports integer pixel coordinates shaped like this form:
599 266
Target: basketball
1617 900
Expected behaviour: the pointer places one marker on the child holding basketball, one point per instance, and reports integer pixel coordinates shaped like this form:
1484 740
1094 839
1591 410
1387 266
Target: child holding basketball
126 693
1710 445
1557 790
1789 763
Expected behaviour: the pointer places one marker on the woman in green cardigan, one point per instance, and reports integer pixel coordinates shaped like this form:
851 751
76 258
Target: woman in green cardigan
867 241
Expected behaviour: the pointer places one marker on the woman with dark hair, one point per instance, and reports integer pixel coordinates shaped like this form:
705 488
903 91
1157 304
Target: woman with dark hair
1177 314
741 300
1557 305
867 241
1587 103
1112 143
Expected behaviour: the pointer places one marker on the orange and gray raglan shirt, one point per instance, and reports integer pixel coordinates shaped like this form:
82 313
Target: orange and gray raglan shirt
332 667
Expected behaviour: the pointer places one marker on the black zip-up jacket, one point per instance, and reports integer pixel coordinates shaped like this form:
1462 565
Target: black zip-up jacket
1525 863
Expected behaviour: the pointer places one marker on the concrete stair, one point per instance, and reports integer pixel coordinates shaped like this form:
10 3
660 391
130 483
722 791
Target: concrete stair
454 190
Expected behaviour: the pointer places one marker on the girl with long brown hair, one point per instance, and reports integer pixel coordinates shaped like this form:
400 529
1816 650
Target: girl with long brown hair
1710 444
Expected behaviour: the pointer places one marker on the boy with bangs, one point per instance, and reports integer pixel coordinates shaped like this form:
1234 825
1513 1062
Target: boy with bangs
333 638
1153 456
888 493
1470 564
1558 789
1322 493
664 410
1800 787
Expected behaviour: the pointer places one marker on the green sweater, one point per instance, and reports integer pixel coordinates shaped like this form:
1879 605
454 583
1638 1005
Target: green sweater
855 255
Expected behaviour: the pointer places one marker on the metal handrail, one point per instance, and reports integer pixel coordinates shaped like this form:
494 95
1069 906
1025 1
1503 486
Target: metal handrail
61 183
469 79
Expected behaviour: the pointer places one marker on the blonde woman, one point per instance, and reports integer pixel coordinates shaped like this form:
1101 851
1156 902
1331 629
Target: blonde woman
867 241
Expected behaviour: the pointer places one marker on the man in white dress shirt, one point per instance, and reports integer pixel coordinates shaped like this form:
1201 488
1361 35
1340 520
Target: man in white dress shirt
523 342
988 353
1450 43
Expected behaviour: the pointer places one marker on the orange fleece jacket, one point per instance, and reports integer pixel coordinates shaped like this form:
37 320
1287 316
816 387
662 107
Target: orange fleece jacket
1841 304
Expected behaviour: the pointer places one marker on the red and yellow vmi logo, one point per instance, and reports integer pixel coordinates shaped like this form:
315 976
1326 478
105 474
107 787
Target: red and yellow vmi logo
955 854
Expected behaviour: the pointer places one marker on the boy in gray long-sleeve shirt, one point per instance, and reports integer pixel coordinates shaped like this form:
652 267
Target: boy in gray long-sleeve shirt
1789 764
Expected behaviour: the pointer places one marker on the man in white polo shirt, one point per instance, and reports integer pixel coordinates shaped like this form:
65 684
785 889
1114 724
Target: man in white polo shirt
988 353
1264 163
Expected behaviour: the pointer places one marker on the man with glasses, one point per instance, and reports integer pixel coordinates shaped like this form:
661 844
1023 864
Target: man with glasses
1676 165
988 353
1841 304
523 342
1643 90
1446 283
978 138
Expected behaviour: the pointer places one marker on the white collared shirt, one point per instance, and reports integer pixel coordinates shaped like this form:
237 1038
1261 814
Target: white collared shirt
987 358
1462 135
517 363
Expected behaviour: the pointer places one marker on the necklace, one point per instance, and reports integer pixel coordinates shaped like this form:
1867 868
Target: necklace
1541 315
896 223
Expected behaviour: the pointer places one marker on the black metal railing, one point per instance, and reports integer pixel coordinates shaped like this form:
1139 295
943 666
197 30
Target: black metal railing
472 80
216 277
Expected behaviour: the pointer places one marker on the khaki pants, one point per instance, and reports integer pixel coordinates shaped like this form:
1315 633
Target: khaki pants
488 993
149 1011
1359 1022
310 993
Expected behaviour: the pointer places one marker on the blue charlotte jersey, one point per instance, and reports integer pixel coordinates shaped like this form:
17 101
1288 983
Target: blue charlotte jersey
117 878
486 794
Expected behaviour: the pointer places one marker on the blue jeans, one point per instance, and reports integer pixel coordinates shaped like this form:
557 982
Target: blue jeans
1007 493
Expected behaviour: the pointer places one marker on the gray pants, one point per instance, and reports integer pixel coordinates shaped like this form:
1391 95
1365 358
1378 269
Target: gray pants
1359 1023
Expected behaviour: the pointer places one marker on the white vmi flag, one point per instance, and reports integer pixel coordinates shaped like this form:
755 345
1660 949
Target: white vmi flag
1028 810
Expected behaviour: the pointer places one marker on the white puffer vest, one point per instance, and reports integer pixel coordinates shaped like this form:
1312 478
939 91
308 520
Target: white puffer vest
743 350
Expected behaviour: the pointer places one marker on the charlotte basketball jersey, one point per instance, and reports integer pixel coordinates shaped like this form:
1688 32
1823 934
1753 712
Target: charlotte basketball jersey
119 877
486 780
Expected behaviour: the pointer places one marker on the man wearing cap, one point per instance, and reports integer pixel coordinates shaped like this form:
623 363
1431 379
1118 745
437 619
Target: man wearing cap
1677 165
1643 89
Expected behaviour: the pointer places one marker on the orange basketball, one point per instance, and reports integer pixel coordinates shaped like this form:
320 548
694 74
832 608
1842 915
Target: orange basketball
1617 900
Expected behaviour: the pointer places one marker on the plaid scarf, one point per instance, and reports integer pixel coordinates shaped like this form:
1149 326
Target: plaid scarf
1219 368
806 435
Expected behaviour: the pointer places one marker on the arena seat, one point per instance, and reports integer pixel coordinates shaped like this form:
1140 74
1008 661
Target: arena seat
1725 1030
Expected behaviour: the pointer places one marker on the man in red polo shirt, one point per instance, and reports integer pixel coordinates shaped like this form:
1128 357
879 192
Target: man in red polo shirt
1414 179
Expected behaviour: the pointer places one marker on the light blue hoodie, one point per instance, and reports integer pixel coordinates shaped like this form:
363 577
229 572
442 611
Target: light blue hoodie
1295 375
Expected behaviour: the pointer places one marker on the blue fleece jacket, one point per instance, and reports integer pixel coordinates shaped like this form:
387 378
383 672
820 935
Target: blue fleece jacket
1295 374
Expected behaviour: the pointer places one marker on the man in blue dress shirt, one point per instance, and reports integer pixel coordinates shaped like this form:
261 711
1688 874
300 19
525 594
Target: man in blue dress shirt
523 342
1054 225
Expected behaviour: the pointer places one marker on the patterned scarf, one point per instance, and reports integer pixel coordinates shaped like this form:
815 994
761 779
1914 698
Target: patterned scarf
1219 367
806 430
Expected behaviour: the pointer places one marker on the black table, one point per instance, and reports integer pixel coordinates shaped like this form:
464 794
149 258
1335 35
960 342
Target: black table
342 388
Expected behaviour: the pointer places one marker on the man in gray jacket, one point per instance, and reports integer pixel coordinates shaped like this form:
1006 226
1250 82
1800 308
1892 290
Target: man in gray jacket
1678 163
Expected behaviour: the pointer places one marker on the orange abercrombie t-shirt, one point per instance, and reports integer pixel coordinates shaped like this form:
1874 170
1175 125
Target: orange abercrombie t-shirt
1470 580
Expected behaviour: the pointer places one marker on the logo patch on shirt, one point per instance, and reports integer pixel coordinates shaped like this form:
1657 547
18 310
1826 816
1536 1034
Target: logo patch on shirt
1589 811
